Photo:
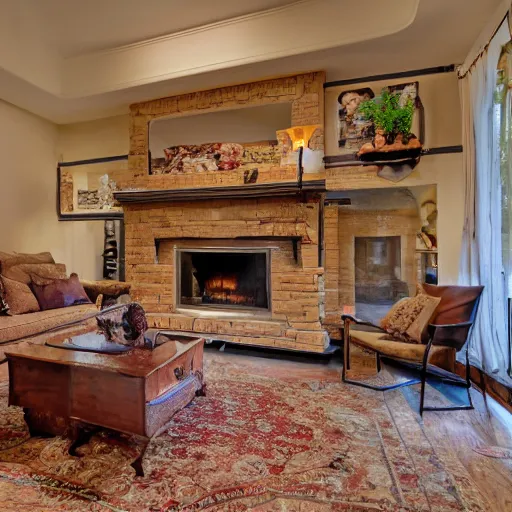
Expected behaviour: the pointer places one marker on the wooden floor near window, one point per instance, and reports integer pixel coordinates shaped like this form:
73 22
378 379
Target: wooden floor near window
461 432
492 387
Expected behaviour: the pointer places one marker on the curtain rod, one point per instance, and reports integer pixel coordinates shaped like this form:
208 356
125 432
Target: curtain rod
484 49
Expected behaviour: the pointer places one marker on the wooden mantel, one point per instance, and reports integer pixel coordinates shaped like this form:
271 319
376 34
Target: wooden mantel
201 194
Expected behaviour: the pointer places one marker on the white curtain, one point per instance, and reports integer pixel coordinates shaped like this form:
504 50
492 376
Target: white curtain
481 260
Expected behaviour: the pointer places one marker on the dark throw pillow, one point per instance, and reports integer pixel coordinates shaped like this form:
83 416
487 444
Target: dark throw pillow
60 293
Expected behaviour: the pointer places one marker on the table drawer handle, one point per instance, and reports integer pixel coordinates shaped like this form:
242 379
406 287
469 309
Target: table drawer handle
179 372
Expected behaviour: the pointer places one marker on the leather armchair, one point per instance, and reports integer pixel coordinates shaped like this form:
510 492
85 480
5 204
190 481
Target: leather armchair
435 358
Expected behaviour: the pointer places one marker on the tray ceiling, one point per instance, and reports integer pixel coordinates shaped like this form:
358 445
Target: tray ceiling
61 59
77 27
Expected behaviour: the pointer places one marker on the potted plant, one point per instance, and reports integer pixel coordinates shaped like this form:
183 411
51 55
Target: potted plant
392 117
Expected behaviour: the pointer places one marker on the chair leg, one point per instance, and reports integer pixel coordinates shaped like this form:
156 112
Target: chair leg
468 378
346 349
424 376
450 407
422 393
377 359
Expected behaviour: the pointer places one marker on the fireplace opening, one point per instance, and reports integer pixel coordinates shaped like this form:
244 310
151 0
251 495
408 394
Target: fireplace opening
378 275
223 278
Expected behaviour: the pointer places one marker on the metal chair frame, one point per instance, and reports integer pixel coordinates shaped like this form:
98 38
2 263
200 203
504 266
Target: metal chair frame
439 335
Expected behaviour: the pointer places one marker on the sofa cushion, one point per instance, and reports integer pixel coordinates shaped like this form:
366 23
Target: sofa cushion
39 273
13 328
456 304
443 357
8 260
60 293
18 296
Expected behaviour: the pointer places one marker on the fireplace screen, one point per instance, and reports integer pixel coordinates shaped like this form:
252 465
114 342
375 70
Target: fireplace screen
223 277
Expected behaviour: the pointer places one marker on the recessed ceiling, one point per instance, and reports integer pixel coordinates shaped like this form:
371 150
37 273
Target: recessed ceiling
440 33
75 27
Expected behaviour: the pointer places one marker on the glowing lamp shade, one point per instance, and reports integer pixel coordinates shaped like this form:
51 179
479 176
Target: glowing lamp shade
300 135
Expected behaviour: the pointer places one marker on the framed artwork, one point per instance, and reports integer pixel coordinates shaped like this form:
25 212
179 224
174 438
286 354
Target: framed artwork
85 189
355 130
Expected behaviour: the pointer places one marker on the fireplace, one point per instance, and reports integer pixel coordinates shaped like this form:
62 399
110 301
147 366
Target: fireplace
234 278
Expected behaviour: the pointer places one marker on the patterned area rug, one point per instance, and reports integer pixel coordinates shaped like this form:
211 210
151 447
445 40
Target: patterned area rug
255 442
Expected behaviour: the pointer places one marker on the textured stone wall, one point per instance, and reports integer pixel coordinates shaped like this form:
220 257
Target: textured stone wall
333 307
297 288
304 92
342 225
403 223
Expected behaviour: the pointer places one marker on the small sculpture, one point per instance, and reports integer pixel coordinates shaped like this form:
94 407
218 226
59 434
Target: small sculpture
125 326
106 193
428 214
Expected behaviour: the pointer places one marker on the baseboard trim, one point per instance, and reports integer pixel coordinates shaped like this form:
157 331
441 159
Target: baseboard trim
488 385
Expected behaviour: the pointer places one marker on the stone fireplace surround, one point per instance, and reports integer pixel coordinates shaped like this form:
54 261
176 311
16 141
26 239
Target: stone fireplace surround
288 227
218 208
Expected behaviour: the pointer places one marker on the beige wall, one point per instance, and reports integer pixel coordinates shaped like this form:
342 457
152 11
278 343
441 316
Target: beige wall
82 141
440 97
28 195
93 139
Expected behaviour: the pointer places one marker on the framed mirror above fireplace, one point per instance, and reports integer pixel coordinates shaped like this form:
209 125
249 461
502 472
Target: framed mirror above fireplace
232 278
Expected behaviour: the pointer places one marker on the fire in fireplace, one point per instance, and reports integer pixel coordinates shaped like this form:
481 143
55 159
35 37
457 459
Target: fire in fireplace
236 278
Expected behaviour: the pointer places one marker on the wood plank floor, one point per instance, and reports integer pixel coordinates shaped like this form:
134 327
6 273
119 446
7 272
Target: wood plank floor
456 434
459 432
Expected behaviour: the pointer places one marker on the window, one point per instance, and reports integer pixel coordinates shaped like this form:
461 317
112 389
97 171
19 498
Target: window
502 120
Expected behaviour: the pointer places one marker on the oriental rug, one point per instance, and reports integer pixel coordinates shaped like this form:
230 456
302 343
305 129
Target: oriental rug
263 441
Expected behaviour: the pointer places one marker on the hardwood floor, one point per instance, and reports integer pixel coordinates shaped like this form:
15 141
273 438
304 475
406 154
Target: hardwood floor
460 432
454 434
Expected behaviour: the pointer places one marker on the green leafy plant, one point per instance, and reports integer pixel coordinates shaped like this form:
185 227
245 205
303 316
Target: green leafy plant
388 115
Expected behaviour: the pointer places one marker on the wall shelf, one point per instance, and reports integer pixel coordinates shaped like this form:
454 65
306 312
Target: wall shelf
202 194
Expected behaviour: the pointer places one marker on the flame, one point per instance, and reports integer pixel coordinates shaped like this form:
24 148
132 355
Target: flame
221 283
220 288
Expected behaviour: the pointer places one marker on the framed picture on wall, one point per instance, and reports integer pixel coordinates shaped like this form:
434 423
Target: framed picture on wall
355 130
85 189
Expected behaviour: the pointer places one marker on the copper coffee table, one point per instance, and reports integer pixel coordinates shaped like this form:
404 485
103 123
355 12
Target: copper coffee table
70 392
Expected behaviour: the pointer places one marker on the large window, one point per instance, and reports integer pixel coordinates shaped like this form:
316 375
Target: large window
503 125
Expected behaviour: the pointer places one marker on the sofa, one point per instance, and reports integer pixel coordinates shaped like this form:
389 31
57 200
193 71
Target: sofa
22 275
